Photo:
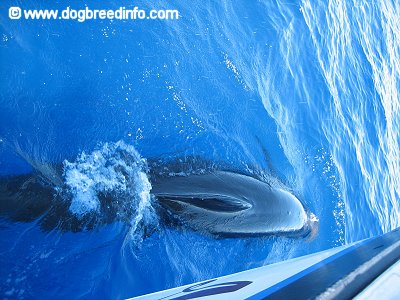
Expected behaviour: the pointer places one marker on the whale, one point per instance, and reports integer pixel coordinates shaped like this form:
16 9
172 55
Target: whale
228 204
222 204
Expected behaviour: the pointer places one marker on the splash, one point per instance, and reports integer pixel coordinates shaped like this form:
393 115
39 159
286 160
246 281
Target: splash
113 181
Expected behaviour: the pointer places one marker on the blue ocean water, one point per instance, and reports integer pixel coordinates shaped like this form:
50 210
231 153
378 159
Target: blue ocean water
303 93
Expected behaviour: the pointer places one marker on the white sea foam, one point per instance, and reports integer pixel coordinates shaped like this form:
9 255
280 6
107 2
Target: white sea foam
116 170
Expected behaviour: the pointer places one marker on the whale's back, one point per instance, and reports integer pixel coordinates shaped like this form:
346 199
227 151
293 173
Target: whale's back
231 204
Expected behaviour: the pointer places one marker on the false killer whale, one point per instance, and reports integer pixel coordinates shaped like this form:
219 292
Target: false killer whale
219 203
228 204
